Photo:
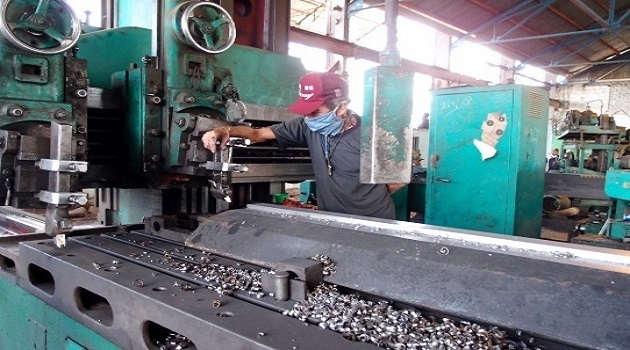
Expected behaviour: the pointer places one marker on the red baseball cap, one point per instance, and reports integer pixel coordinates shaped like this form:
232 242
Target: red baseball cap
317 88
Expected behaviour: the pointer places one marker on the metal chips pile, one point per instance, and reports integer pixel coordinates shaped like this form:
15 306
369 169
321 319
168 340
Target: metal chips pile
173 341
224 279
381 324
354 317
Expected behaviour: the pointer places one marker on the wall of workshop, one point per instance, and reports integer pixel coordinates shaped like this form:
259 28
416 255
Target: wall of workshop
612 98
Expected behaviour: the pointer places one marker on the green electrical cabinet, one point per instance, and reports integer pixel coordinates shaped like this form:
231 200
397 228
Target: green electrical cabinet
487 159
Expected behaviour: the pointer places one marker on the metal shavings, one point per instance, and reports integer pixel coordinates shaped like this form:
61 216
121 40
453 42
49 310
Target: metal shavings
146 243
444 251
222 279
381 324
173 341
330 267
563 255
187 287
138 283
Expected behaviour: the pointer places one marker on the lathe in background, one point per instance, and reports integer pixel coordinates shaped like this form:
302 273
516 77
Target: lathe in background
593 148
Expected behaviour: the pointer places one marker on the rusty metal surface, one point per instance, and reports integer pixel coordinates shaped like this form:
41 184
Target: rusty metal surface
575 185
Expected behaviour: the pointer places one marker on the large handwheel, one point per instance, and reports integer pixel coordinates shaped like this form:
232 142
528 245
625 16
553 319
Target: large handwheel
45 27
205 26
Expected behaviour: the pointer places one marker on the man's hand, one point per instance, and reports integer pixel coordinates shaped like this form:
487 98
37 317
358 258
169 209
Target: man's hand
210 138
391 188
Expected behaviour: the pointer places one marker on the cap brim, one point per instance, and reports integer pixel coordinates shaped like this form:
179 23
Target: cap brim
303 107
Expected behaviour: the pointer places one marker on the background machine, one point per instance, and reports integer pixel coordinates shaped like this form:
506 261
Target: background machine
123 112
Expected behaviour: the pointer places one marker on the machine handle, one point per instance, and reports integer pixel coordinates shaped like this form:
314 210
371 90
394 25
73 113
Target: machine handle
440 179
433 161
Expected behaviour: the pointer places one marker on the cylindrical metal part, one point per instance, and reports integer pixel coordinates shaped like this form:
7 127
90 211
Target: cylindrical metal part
391 16
390 57
555 203
281 286
573 211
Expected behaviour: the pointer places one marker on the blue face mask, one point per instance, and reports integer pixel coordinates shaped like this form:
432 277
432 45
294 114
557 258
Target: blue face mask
326 124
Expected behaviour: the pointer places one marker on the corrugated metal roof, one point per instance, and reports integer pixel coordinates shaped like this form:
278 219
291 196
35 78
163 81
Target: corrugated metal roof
561 36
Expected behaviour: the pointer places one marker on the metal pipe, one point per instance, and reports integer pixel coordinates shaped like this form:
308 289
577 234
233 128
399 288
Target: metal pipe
390 57
391 14
605 228
546 36
573 211
555 203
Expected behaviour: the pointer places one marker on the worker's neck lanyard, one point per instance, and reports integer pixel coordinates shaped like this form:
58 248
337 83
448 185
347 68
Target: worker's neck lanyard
328 151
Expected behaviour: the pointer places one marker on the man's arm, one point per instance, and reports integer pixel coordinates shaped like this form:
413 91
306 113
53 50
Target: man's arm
223 134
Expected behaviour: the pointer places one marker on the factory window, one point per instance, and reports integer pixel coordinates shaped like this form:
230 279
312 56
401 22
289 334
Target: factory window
367 29
313 59
88 11
476 61
533 76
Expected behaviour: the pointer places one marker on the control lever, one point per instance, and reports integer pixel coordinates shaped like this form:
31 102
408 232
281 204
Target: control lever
219 184
219 189
236 111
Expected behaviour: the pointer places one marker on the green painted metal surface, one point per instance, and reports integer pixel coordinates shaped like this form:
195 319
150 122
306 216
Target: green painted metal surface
386 133
134 13
417 197
617 186
35 111
502 194
401 198
143 122
308 191
25 76
113 50
262 77
26 322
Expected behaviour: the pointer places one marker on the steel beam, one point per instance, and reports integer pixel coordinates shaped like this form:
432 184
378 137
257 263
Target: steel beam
585 64
347 49
583 45
509 13
556 35
579 26
590 12
491 9
541 8
623 17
